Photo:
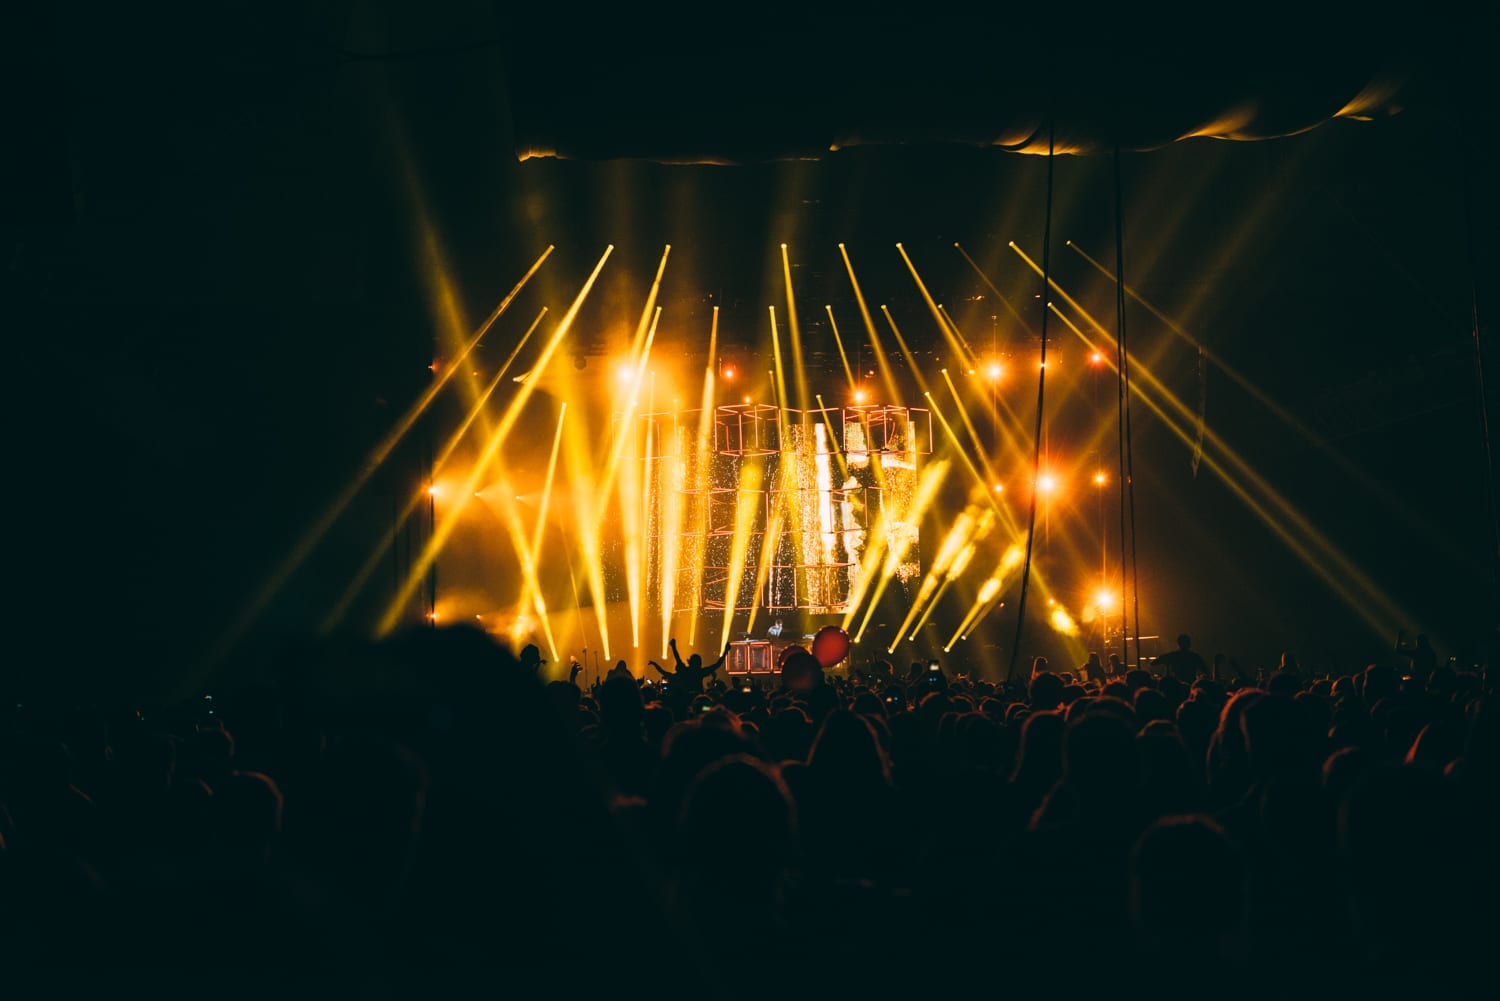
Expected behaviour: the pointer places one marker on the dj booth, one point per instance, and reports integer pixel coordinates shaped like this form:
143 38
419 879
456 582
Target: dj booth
758 657
753 657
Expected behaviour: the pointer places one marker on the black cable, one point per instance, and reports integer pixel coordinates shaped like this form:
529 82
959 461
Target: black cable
1041 384
1120 421
1484 406
1122 347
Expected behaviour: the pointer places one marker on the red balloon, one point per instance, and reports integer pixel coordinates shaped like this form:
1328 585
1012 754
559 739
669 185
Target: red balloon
787 651
830 645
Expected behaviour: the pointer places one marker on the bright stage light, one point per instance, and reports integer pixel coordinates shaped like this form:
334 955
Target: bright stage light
1104 599
860 396
995 371
625 374
1100 479
1096 358
999 488
432 491
729 373
1046 483
1063 622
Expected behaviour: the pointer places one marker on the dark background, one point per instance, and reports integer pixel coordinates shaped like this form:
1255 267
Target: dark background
222 226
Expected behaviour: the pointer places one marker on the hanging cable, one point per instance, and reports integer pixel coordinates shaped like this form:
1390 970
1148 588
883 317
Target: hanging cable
1041 384
1127 458
1120 428
1476 326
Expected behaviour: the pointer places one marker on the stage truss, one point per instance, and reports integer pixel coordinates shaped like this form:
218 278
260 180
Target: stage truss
804 493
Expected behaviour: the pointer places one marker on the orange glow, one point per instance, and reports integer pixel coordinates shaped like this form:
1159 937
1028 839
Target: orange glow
1096 358
729 373
1046 483
995 371
860 396
1100 479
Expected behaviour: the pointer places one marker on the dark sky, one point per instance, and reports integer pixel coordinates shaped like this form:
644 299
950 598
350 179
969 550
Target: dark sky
215 283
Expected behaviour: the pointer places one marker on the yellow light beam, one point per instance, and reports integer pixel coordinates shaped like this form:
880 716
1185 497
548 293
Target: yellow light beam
989 593
968 463
870 560
497 438
542 509
843 355
1004 300
672 488
794 333
640 350
928 482
953 543
961 352
746 501
587 503
800 518
959 565
911 359
649 311
771 539
887 376
700 476
1386 610
633 507
968 348
833 441
1286 417
779 499
979 449
340 608
373 461
531 589
446 452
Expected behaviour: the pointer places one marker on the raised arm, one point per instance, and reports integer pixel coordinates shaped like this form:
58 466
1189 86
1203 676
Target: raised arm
672 645
661 670
718 663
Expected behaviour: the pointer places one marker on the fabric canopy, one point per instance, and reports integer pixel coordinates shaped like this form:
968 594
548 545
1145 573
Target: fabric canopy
799 88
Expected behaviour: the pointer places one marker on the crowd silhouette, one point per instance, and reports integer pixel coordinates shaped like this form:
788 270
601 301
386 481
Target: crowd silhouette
432 816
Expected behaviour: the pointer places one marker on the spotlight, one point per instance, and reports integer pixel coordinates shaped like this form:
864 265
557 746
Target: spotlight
1046 483
859 396
995 371
1100 479
1096 357
729 373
